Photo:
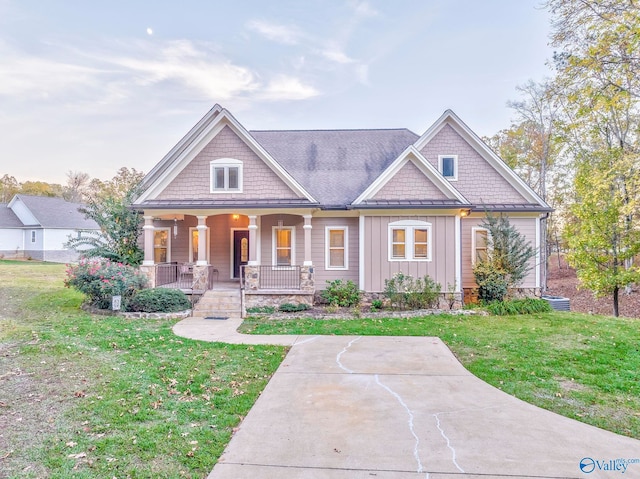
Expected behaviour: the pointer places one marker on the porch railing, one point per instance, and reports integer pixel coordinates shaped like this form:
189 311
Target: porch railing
274 277
180 276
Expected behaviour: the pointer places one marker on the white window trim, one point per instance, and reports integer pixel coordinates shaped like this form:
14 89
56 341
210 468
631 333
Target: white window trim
168 230
191 230
225 163
474 230
455 167
274 252
409 226
327 249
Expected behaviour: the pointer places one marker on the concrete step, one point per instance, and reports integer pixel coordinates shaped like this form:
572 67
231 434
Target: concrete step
218 303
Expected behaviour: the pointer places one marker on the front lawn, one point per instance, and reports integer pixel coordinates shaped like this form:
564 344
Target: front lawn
86 396
581 366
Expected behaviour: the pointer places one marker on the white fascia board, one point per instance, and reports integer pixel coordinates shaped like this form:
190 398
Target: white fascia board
451 119
423 165
195 142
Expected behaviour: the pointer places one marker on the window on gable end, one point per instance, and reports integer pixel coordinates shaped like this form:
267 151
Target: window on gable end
226 176
448 166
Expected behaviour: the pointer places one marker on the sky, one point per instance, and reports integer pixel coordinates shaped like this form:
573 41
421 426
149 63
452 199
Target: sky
94 86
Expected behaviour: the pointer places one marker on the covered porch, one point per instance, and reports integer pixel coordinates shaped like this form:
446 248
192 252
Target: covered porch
266 253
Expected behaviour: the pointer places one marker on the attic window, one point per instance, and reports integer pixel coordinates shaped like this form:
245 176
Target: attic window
226 176
448 166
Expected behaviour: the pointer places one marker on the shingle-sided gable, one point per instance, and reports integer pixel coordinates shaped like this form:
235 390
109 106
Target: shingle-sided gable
259 180
409 183
477 180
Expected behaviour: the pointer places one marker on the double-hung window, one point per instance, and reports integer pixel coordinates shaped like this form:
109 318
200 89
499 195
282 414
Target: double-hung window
410 240
336 248
448 166
161 245
479 239
226 176
284 242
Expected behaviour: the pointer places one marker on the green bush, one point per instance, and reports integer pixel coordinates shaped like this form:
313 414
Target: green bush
376 305
492 283
293 308
340 293
100 280
405 292
519 306
159 300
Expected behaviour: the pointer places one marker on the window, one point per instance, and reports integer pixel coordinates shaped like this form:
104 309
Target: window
33 236
226 176
284 241
161 245
410 240
448 166
479 237
193 245
336 247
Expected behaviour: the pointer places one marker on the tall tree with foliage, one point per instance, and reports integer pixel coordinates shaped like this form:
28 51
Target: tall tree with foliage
598 87
120 226
507 260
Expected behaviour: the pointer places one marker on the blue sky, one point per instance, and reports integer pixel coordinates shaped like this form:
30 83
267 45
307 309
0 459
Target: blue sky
93 86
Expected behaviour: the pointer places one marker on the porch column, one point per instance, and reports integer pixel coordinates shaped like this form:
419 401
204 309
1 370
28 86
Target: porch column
148 241
202 241
307 240
253 241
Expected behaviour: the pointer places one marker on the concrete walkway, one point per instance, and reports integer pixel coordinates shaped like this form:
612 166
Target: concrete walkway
343 407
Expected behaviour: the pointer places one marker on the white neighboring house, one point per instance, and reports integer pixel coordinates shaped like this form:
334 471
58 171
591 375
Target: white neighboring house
38 227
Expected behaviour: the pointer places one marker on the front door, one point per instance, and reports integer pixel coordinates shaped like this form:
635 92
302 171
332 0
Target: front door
240 250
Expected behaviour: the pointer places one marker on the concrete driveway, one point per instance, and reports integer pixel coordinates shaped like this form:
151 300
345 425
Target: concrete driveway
402 407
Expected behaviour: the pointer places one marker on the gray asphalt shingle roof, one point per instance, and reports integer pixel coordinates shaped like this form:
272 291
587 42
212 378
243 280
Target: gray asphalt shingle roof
57 213
8 218
335 166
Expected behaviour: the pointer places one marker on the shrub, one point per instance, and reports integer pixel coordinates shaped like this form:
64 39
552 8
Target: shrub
100 280
340 293
492 284
159 300
293 308
376 305
519 306
405 292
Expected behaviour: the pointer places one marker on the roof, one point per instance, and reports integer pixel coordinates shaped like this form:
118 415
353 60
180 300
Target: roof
55 213
8 218
317 158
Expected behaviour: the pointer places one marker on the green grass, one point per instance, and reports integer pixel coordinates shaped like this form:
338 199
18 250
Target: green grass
85 396
581 366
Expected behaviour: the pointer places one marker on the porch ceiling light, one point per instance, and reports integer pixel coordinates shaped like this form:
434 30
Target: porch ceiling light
464 213
235 217
175 227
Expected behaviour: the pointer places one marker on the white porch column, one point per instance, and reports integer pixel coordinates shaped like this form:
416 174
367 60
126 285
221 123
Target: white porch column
253 241
307 241
148 241
202 241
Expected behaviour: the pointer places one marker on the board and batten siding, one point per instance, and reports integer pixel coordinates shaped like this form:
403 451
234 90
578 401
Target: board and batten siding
526 226
377 266
318 251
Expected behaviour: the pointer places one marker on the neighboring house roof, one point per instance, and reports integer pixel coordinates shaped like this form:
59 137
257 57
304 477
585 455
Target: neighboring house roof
8 218
53 213
335 165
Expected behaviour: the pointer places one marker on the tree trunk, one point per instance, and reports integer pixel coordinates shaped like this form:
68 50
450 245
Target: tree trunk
616 292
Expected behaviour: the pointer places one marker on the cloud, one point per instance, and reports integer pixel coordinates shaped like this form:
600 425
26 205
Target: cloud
284 87
277 33
335 54
363 8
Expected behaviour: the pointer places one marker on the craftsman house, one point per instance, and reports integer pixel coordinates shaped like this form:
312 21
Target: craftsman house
285 211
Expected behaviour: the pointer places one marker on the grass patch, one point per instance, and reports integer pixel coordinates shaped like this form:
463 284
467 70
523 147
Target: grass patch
88 396
581 366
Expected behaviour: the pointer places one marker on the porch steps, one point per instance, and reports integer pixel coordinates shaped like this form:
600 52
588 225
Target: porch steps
218 303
